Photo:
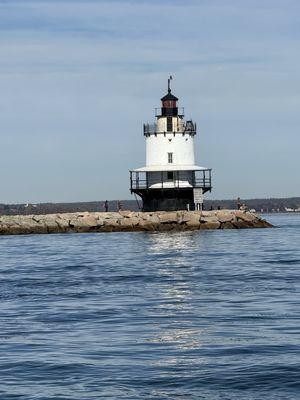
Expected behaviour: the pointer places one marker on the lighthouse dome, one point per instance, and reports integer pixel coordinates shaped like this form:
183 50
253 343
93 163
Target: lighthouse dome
169 96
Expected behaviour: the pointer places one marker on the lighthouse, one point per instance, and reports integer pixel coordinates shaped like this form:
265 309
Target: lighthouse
170 180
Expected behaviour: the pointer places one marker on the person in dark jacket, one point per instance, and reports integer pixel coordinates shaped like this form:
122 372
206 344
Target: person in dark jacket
105 205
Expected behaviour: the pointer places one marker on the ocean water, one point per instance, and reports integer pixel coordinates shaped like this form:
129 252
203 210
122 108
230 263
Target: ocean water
194 315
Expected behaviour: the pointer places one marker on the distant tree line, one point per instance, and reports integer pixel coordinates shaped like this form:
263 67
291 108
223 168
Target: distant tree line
54 208
260 205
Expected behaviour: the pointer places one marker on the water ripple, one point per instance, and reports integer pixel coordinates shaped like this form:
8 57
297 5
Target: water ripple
192 315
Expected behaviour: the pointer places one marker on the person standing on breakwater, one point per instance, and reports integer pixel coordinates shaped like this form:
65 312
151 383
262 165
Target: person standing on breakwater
119 205
105 205
238 203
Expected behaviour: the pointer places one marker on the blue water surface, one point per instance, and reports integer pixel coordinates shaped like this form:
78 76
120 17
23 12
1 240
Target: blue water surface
190 315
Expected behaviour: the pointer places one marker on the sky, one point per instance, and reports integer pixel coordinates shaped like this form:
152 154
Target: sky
78 78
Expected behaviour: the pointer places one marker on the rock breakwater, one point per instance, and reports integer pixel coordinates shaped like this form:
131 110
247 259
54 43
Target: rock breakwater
129 221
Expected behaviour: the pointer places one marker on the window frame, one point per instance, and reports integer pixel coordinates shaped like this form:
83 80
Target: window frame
170 175
169 124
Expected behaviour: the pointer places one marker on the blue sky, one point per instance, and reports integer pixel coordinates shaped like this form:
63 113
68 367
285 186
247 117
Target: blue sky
78 78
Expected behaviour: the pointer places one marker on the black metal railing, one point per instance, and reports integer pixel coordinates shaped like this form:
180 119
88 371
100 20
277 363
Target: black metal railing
198 179
188 127
150 129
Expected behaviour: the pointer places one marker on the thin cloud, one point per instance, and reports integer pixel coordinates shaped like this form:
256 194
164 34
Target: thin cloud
78 79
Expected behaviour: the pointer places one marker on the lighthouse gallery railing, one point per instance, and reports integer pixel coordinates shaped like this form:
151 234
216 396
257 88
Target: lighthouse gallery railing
188 127
200 179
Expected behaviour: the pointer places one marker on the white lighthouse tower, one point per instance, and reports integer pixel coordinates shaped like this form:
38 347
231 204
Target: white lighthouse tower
170 180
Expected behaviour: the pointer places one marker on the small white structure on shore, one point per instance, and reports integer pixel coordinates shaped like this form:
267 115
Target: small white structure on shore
170 180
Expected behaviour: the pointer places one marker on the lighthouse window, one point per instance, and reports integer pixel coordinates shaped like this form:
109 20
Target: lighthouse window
170 158
169 124
170 175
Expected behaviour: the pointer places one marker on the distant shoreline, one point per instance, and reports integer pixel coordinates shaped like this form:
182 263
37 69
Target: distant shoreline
266 206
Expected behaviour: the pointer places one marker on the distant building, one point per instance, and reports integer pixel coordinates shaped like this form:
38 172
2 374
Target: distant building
288 209
170 180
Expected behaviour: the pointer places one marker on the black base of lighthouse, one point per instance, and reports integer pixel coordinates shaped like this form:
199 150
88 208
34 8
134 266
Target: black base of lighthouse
167 199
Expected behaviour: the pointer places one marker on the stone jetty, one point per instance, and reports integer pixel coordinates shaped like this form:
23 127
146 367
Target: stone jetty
129 221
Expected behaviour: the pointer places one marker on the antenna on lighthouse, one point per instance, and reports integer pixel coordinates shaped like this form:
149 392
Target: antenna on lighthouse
169 80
